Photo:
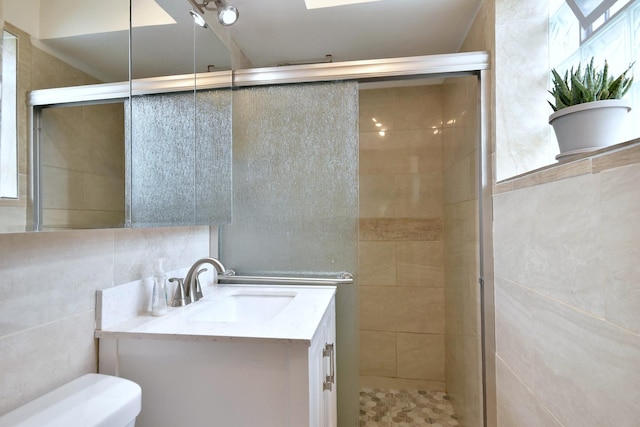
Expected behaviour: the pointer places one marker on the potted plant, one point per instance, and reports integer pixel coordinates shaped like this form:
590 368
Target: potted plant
588 110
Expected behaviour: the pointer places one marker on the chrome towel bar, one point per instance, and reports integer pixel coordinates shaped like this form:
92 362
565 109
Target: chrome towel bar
230 276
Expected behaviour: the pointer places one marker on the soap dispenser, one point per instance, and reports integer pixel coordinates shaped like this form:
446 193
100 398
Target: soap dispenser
159 296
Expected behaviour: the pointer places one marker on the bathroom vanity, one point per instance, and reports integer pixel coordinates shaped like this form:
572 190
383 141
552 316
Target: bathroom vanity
245 355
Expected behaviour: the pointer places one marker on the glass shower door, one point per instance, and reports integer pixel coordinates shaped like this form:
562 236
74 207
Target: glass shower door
295 199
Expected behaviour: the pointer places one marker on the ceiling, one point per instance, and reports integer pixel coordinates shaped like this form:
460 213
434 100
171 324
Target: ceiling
284 31
268 33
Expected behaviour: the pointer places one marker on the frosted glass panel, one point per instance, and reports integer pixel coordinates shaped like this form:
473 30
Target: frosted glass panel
295 180
295 199
179 159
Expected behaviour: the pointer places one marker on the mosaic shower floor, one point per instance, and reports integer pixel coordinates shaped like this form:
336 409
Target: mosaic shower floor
401 408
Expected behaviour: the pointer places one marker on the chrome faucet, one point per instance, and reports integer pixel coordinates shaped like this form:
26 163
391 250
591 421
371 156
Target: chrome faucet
192 291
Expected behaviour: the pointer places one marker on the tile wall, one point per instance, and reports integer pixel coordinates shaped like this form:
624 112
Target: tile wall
47 297
461 249
567 320
82 167
401 265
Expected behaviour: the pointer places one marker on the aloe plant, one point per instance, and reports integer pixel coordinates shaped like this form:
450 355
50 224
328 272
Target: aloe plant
594 85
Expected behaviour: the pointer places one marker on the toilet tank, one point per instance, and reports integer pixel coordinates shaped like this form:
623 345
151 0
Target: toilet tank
93 400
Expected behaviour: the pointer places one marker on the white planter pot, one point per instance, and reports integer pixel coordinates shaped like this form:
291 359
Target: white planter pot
589 126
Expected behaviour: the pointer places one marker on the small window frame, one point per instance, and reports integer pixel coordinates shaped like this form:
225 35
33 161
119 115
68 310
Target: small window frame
602 11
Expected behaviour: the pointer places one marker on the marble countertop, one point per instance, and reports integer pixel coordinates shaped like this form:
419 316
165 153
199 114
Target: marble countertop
297 322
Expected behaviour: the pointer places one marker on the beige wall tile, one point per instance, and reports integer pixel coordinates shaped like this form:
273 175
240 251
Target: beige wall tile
377 196
415 151
464 377
462 297
377 264
410 309
620 233
481 35
371 140
103 193
400 229
62 219
420 264
137 249
62 188
378 353
418 195
585 370
50 276
37 360
462 302
461 223
401 201
517 406
401 108
457 143
460 180
425 138
514 328
421 356
472 363
546 237
13 219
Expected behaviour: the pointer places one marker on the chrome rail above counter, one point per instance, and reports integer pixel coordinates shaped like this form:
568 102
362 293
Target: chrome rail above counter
343 278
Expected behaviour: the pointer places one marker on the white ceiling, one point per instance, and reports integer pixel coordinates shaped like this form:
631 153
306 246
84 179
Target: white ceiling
268 32
278 31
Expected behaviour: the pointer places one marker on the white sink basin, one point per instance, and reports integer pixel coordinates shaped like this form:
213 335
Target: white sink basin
246 307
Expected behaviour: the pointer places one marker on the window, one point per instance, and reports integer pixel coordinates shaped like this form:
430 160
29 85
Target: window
593 14
8 117
612 36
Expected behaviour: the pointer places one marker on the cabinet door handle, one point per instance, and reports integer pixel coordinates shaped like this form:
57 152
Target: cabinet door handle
329 379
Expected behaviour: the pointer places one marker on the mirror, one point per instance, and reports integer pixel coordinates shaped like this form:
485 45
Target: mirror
69 43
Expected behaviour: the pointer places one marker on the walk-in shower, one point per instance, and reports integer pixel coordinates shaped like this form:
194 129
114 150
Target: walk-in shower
420 333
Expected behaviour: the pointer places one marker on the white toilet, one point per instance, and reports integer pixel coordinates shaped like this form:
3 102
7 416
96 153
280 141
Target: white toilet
93 400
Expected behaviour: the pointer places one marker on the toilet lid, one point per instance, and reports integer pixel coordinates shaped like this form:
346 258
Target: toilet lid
93 400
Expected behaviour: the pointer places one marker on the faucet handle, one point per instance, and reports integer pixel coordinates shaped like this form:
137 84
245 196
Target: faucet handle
179 298
198 293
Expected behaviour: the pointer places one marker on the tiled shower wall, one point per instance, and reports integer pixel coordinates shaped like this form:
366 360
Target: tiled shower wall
401 267
461 254
47 297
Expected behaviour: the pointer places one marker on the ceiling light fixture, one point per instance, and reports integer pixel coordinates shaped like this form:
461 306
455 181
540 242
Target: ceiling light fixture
227 13
198 19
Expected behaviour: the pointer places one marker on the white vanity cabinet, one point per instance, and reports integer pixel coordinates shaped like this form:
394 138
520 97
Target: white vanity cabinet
204 378
322 373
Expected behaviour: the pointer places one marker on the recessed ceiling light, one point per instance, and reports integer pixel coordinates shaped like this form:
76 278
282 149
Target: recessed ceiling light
317 4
